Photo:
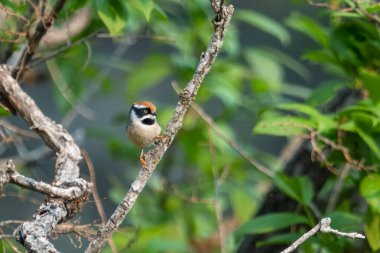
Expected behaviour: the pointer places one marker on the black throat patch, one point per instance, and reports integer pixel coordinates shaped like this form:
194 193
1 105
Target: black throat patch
148 121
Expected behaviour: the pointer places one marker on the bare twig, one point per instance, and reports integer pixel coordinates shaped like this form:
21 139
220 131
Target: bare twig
95 194
153 156
210 122
217 204
338 188
43 25
324 227
33 234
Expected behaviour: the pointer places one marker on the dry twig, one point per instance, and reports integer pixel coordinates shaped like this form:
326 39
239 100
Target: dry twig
324 227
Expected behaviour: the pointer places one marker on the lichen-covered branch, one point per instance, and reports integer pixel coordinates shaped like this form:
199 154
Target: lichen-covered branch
154 156
8 174
33 234
324 227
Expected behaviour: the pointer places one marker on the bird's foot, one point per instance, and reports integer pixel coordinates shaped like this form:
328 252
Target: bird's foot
160 138
142 160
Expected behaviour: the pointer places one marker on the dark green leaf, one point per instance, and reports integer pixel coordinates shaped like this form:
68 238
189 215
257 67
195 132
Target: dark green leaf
324 92
298 188
270 222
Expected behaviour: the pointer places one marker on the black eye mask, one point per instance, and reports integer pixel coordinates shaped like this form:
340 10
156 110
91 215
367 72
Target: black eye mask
141 112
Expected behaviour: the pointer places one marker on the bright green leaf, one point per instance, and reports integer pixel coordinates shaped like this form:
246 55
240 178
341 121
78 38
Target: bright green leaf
283 126
113 14
302 108
370 190
372 231
264 23
371 81
298 188
144 6
270 222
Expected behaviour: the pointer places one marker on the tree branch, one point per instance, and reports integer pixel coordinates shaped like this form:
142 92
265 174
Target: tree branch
154 156
324 227
33 234
9 174
42 27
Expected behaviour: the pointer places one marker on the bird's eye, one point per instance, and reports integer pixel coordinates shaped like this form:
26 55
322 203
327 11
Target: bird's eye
146 111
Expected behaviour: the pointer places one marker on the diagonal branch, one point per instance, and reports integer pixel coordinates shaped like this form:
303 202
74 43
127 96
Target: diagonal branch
33 234
154 156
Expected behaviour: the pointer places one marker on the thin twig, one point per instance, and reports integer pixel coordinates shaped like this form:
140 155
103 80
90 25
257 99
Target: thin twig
210 122
95 194
324 227
338 188
36 37
217 205
153 156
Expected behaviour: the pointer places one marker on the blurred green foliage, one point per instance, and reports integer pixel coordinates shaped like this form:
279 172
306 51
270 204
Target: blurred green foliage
203 185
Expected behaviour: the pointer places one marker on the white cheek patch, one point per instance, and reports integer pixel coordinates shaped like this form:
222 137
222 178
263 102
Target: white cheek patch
134 117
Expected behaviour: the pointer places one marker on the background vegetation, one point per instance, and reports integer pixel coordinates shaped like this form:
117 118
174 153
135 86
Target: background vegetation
213 180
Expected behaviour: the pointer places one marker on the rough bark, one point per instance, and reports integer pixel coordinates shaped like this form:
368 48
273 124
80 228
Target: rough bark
34 234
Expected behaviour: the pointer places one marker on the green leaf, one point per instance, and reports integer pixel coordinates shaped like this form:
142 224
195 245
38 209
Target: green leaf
324 92
139 79
144 6
270 222
113 14
298 188
302 108
283 126
264 23
372 231
369 140
345 220
324 123
309 27
370 190
286 239
371 81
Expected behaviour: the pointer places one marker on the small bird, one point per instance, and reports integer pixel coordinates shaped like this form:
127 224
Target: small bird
142 128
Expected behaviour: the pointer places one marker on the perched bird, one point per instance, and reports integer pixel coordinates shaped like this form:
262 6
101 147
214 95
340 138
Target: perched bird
142 128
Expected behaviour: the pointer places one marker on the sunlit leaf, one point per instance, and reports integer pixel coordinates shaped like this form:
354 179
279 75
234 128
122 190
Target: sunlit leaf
372 231
113 14
370 190
283 126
